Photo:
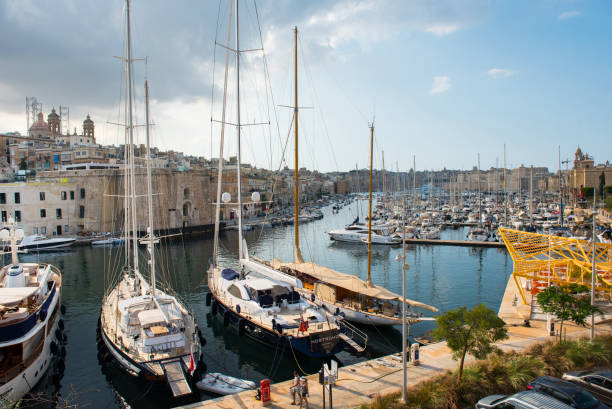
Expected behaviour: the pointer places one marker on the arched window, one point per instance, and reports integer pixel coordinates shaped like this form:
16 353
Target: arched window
186 193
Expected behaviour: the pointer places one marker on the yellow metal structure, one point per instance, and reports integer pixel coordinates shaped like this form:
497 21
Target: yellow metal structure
543 260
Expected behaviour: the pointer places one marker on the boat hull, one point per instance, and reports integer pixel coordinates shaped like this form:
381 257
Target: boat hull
272 339
20 385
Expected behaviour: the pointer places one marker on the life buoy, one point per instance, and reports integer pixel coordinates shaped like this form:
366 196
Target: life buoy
226 318
208 299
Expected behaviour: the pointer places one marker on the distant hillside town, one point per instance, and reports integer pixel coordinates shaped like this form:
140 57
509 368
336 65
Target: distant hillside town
55 181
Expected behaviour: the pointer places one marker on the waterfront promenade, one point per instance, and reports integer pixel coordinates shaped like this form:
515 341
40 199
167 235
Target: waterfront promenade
360 382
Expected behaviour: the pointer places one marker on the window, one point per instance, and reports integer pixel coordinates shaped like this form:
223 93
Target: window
43 230
81 212
41 195
58 213
43 213
63 195
72 195
78 153
235 291
84 153
4 217
35 230
18 215
82 193
2 198
66 229
17 197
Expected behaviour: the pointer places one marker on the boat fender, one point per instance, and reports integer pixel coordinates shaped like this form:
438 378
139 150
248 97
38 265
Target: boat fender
53 347
337 311
312 297
238 309
61 366
279 328
42 315
208 299
58 335
241 326
63 352
214 308
64 338
226 318
63 309
60 324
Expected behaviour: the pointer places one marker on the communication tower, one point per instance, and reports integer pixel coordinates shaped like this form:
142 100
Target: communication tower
64 113
33 107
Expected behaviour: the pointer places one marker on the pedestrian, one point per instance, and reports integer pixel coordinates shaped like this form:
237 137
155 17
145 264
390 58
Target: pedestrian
295 387
304 392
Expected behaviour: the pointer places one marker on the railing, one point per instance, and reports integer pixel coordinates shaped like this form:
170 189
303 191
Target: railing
354 333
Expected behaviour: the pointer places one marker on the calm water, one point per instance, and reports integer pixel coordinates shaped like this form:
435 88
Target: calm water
445 277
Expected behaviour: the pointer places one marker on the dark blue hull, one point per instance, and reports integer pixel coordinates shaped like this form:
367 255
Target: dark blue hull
308 346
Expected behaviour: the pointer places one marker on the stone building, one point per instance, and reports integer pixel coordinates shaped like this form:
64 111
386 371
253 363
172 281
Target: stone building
586 174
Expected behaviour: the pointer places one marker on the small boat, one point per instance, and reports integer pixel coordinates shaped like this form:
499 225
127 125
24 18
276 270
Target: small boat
224 384
38 242
111 241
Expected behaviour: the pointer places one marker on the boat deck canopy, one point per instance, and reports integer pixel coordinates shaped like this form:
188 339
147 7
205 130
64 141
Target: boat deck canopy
347 281
10 296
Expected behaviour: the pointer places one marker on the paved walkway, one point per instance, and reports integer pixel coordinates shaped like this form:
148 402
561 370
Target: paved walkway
359 383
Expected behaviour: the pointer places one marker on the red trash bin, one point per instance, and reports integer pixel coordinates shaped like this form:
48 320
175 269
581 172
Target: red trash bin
264 387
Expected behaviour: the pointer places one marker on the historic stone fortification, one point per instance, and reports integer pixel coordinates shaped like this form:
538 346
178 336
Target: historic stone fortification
68 202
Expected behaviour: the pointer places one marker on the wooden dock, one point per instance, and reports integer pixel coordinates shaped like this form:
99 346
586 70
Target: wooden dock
461 243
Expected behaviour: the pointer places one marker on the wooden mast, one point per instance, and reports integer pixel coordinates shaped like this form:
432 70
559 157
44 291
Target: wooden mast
369 280
296 191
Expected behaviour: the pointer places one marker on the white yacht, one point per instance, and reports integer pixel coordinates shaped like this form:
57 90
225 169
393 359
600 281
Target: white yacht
478 234
430 233
30 297
37 242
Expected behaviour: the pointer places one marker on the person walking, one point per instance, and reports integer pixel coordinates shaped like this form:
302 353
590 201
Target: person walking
295 387
304 392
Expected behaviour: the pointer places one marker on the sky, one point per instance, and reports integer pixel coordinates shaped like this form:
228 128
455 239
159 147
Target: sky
444 81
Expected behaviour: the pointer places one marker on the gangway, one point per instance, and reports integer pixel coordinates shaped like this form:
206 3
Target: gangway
349 332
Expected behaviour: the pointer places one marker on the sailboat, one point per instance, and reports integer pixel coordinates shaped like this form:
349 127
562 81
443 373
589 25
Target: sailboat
150 333
339 293
30 297
260 302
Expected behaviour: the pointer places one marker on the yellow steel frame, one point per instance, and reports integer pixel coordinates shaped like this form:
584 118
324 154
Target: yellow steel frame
559 260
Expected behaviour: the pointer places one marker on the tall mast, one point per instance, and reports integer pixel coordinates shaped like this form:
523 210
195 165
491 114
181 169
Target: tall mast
238 179
150 193
531 197
560 191
479 201
505 191
369 280
131 132
296 175
222 138
414 180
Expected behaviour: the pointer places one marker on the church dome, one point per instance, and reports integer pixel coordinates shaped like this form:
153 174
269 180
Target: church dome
40 124
52 115
88 120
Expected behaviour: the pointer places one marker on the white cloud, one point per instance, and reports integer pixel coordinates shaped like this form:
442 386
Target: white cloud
501 72
440 85
569 14
442 29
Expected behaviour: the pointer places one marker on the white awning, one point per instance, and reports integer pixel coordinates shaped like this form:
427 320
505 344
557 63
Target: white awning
11 296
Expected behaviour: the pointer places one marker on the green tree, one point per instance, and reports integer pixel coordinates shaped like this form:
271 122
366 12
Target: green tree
568 303
472 332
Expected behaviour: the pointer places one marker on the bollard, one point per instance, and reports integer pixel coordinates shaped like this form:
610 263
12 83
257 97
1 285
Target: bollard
264 386
414 354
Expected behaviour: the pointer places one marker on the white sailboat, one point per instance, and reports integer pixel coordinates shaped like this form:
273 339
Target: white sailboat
30 297
150 333
261 303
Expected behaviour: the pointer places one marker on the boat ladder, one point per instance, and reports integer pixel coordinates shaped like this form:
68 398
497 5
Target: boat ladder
354 337
176 377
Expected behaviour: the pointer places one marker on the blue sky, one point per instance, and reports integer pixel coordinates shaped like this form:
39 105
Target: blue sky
445 79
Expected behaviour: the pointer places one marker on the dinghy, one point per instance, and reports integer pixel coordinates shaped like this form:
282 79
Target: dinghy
224 384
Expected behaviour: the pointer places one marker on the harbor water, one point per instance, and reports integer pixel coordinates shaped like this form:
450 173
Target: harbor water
443 276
